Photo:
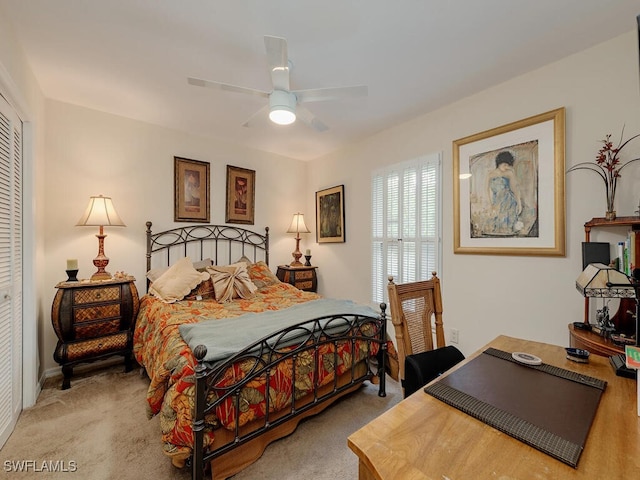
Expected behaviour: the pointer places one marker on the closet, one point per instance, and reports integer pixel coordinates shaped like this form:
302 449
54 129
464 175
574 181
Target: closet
10 269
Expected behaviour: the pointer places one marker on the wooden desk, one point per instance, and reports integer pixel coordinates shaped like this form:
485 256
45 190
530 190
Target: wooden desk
424 438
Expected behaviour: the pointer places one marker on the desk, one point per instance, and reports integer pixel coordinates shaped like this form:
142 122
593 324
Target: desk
423 438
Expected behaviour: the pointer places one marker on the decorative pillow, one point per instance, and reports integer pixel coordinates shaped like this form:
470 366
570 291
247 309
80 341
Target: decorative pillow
204 291
177 281
245 259
202 265
231 281
261 276
156 273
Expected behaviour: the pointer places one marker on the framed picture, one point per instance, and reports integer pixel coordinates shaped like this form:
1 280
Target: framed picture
241 195
191 190
508 188
330 215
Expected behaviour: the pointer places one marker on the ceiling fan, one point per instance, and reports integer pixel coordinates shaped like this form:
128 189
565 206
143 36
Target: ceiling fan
284 104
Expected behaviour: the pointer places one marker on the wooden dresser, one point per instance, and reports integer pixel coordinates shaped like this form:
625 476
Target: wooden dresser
303 278
593 342
94 320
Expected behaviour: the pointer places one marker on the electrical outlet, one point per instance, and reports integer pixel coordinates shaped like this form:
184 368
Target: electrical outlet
454 336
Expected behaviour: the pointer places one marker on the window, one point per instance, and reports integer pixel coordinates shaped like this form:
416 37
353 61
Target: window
405 223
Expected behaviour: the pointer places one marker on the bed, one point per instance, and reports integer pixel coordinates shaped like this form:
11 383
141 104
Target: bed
229 377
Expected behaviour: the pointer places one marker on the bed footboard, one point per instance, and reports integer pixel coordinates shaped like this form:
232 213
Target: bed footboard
313 352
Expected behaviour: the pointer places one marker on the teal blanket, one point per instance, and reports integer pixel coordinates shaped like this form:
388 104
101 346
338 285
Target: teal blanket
224 337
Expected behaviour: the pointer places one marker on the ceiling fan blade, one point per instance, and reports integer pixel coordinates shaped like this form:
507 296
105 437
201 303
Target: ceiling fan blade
251 120
278 60
225 86
308 118
331 93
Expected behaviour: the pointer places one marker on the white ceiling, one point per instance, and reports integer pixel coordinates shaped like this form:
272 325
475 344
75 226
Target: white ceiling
132 57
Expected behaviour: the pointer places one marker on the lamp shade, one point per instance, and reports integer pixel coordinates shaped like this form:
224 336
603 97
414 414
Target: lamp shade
100 212
600 280
297 224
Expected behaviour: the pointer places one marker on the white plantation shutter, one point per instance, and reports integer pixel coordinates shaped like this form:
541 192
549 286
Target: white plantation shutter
10 269
405 223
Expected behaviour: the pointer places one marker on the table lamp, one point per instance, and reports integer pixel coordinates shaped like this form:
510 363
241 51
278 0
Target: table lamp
601 281
297 226
100 213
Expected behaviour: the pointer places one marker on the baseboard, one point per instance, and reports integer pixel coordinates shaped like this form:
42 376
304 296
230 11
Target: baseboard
81 368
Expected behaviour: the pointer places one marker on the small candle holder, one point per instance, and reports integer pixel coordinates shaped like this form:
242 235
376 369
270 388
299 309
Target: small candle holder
72 275
308 262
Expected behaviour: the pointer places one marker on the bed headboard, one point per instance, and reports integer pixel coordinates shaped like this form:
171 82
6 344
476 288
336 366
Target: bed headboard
222 243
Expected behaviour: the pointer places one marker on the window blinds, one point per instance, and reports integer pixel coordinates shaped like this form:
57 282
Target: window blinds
405 222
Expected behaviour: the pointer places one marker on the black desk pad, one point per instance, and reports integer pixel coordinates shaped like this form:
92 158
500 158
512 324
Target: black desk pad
547 407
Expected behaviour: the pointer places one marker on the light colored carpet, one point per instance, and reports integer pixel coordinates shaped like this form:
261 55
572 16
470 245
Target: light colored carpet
100 424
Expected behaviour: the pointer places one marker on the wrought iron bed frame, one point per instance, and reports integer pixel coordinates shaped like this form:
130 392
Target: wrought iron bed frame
265 355
177 240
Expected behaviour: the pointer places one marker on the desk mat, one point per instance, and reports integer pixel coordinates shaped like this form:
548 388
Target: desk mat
546 407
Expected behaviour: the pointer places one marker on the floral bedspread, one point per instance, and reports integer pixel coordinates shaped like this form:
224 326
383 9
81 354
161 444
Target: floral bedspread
169 362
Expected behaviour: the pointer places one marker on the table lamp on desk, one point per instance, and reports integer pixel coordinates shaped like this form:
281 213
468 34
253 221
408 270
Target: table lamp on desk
603 281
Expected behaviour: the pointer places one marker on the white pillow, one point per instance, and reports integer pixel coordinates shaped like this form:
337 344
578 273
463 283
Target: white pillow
203 264
155 273
177 281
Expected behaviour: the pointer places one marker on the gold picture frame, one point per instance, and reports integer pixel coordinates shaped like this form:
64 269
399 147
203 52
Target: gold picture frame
241 195
330 215
191 190
508 188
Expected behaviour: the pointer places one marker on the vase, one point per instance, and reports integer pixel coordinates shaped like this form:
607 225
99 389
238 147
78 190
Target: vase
610 215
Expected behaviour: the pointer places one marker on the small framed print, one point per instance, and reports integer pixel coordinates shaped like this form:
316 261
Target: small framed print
330 215
191 190
241 195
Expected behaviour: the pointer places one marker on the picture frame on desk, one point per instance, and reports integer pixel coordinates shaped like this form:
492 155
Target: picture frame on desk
595 252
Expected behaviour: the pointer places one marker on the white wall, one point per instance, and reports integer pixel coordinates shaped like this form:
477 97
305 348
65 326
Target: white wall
484 296
90 153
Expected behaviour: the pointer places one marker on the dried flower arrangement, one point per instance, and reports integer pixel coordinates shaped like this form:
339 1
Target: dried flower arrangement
608 165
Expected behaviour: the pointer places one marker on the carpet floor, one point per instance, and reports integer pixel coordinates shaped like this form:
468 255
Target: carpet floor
98 430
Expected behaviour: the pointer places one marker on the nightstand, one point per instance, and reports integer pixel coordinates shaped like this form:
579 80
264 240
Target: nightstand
303 278
94 320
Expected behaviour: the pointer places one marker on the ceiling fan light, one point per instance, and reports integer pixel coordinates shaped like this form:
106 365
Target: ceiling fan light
282 115
282 107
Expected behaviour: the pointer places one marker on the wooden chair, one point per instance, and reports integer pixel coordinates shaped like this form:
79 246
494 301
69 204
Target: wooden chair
413 306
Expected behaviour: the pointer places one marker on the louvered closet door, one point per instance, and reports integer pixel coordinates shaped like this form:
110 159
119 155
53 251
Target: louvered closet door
10 269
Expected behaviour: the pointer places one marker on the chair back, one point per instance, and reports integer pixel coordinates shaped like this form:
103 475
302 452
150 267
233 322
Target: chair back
413 306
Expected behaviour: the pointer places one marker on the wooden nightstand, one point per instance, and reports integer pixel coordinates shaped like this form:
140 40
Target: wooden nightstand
303 278
94 320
